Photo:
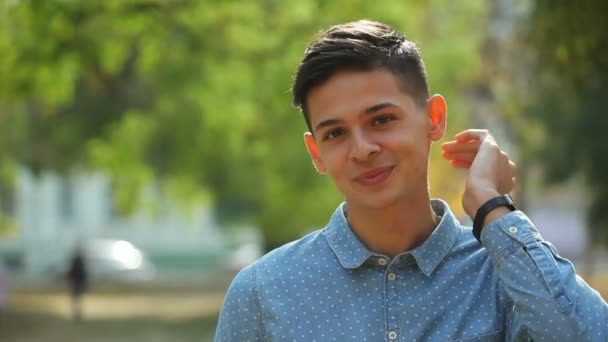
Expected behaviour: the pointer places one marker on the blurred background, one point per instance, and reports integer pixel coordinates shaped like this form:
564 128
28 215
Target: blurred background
157 139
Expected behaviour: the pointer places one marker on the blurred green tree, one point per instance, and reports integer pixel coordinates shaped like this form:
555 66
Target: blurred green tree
572 81
194 95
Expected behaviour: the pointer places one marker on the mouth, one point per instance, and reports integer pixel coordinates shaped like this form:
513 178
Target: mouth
374 176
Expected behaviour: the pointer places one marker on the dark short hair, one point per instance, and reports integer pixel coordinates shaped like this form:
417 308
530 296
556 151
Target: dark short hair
360 46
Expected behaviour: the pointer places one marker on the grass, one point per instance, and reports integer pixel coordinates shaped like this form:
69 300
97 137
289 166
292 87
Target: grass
32 327
133 315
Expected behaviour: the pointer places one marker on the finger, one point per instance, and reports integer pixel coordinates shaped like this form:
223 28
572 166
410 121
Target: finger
513 168
472 134
507 187
460 164
468 156
454 146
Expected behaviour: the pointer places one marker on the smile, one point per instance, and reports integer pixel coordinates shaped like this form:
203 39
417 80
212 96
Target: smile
374 177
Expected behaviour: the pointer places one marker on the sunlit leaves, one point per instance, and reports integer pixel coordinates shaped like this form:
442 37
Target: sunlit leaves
193 96
572 82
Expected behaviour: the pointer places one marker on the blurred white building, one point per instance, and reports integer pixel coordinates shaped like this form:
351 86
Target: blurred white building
54 214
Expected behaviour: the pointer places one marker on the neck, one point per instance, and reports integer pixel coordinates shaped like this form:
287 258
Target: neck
394 229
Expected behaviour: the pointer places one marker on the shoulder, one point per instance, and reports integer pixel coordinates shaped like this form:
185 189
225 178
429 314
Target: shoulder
466 238
467 248
282 262
290 252
295 252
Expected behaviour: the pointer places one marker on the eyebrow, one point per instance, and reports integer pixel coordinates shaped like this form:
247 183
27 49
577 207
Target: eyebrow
378 107
367 111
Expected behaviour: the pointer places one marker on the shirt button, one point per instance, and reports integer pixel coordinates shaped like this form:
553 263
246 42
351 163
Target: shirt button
382 262
392 335
392 276
512 229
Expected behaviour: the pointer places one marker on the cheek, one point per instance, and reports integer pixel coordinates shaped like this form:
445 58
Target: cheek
401 143
333 159
411 149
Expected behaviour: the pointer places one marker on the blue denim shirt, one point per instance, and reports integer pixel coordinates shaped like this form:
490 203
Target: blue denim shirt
328 286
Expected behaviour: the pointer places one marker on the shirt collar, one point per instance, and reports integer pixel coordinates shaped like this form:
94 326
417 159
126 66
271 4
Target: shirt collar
434 249
352 253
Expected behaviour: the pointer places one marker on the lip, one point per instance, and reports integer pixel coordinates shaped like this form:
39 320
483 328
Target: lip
374 176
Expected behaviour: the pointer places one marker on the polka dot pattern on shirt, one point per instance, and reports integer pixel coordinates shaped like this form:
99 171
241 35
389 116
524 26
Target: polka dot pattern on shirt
328 286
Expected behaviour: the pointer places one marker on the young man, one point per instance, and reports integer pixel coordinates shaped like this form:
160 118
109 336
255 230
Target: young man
392 264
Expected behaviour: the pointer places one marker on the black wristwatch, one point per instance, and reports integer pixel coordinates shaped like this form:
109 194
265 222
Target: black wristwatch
484 210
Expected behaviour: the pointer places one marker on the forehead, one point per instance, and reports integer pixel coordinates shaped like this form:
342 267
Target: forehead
349 93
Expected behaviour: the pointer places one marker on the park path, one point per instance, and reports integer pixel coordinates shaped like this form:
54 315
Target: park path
167 305
185 315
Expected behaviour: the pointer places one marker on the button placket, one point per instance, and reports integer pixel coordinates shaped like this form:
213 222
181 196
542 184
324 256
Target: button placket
392 301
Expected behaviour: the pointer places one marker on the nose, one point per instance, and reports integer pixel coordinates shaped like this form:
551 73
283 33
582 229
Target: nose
362 146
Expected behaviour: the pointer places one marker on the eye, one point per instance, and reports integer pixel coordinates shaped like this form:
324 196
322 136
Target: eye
382 119
334 133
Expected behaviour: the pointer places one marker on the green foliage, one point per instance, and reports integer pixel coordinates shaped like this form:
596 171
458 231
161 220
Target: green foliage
194 95
572 72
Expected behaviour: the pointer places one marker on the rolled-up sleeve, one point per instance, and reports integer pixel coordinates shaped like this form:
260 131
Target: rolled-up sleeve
240 318
549 300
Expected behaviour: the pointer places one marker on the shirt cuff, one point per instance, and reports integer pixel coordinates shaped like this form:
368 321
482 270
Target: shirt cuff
507 233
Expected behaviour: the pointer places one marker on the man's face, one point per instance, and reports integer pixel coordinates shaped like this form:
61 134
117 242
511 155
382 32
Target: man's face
371 137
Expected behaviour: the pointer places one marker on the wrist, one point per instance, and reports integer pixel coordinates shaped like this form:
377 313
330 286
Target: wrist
477 197
483 195
495 214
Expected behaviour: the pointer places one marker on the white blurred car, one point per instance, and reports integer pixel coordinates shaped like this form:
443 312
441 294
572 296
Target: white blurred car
114 261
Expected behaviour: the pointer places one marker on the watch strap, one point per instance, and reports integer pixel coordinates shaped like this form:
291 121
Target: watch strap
486 208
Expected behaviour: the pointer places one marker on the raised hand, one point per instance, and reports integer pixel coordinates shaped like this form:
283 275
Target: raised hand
490 171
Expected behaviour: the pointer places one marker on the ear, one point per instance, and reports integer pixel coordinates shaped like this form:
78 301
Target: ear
313 151
437 110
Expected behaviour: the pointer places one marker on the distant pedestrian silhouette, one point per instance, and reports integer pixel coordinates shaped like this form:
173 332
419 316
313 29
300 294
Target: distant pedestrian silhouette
3 291
78 282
